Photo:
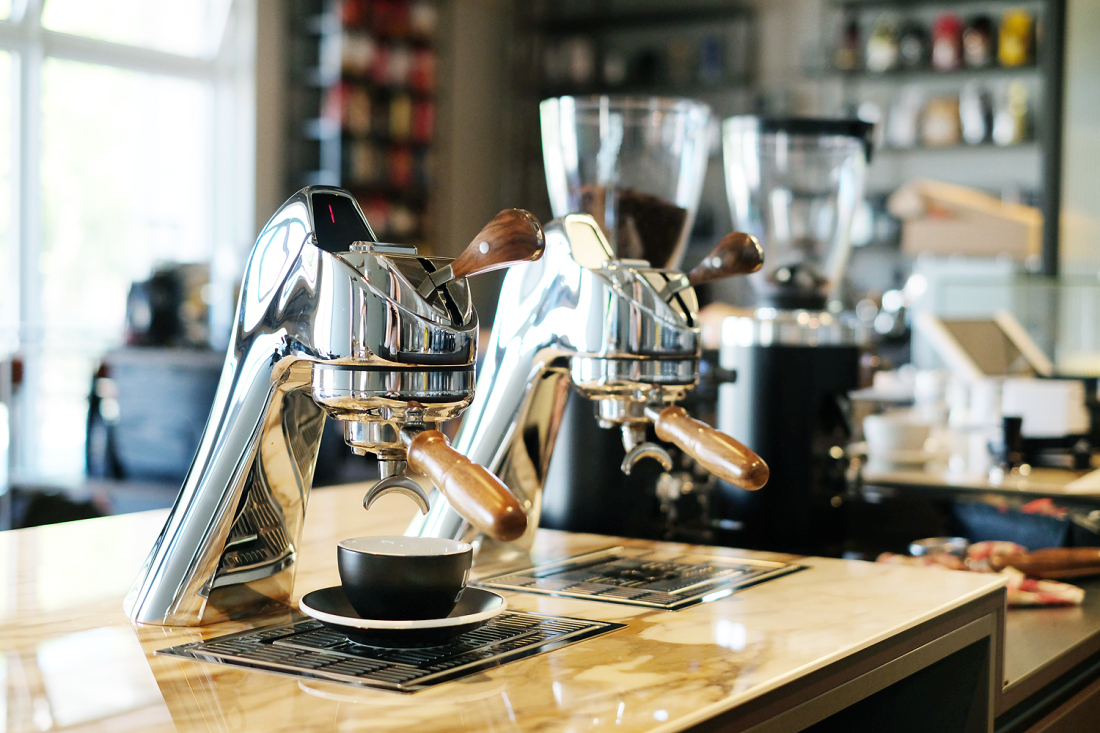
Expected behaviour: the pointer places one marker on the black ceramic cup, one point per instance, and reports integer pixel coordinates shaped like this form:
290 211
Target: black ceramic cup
403 578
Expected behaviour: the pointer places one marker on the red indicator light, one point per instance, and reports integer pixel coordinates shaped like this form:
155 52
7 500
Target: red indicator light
331 214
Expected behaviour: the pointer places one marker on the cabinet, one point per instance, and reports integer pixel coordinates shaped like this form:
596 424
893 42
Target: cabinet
362 106
965 92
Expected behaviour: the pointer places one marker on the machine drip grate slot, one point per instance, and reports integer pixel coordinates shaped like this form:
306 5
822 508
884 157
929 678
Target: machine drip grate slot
311 650
642 577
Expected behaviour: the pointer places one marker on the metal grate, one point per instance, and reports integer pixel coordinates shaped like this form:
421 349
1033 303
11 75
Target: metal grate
642 577
309 649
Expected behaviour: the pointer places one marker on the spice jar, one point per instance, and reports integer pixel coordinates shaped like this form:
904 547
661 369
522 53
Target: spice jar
941 126
847 52
1016 46
913 47
1010 124
978 42
947 42
882 46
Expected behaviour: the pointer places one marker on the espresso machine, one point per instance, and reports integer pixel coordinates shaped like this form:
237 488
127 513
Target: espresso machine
794 184
330 323
595 343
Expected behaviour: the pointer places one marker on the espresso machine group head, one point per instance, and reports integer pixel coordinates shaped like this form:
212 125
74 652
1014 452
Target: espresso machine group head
330 323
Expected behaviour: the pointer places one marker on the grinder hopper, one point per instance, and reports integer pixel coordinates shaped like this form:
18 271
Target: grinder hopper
635 164
794 184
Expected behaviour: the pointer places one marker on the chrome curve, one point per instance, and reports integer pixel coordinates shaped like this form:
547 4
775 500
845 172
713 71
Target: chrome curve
323 328
576 319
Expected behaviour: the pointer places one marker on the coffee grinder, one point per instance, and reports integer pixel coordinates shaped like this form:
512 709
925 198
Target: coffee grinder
636 165
794 184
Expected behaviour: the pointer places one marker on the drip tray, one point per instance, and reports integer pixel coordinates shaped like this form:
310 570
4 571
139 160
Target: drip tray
308 649
642 577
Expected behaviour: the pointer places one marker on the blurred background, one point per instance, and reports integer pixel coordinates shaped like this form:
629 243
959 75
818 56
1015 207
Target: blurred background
143 145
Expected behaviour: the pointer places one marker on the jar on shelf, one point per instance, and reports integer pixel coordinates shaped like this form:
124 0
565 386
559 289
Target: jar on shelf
847 51
882 46
1017 39
423 120
975 113
947 42
357 111
940 125
363 162
401 114
357 53
1010 123
913 46
400 167
423 18
979 42
422 72
904 119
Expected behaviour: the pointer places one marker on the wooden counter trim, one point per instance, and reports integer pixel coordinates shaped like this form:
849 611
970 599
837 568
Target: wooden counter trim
983 616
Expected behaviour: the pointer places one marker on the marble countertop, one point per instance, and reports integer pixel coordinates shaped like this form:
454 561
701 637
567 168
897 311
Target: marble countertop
72 661
1038 482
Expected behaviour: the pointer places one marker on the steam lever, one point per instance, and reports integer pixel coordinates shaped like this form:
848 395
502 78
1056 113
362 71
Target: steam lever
737 254
513 236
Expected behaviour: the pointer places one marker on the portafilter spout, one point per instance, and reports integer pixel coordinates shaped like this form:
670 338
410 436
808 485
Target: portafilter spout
623 334
330 323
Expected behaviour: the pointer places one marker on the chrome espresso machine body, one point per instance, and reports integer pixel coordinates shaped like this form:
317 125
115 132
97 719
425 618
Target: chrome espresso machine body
330 323
619 333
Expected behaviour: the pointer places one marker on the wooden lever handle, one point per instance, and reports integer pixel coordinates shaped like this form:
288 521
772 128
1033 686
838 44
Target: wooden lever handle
715 451
737 254
476 494
1053 562
513 236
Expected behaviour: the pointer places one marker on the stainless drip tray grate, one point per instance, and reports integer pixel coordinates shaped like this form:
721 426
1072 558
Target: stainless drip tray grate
309 649
642 577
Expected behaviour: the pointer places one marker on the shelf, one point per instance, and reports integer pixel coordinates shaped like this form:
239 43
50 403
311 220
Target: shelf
656 89
895 75
908 4
590 23
986 146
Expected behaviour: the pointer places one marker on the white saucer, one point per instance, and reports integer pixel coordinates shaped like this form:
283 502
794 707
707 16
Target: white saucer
331 607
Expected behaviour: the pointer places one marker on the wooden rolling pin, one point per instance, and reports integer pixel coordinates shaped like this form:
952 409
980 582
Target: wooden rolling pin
715 451
472 490
1054 563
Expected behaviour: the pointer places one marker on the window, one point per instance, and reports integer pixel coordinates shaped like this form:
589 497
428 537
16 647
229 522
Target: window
121 149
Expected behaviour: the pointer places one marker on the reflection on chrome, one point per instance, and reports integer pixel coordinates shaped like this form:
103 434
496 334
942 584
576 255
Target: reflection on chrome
329 323
621 332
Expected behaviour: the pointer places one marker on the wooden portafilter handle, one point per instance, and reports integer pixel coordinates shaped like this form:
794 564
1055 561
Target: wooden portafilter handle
1052 562
513 236
737 254
476 494
715 451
